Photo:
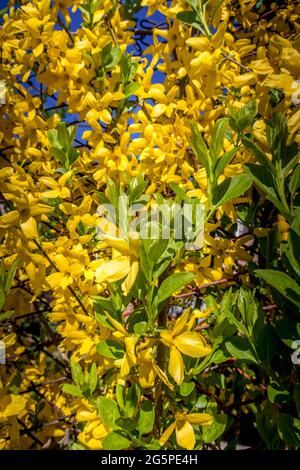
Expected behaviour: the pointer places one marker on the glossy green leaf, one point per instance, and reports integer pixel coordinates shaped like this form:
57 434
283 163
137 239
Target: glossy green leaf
173 283
115 441
231 188
108 411
110 348
287 286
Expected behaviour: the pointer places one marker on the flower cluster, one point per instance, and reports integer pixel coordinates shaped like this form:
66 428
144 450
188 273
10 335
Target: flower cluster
108 337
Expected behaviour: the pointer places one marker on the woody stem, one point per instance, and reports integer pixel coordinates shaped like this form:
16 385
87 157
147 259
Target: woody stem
160 360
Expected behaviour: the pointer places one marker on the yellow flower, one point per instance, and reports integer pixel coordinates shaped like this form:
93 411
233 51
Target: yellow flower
181 340
124 262
148 370
12 405
185 435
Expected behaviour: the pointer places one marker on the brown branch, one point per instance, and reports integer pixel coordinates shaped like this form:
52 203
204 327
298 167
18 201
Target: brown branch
231 59
195 290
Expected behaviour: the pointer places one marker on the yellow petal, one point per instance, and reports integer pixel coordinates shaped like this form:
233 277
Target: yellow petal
57 280
166 435
130 343
218 37
113 270
147 375
12 405
118 243
166 338
176 365
162 376
261 67
185 435
8 219
37 51
200 44
116 325
125 365
192 344
29 228
180 323
248 78
131 277
291 60
202 419
158 110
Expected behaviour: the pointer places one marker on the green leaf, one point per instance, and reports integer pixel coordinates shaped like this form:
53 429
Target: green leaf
231 188
296 397
7 314
59 155
277 393
277 133
131 89
263 179
283 283
157 250
10 276
72 390
289 429
173 283
3 11
294 239
73 156
93 378
218 135
146 418
223 161
63 136
243 118
291 264
267 426
268 347
110 348
258 153
136 186
102 304
190 18
111 56
294 183
186 388
240 348
146 262
212 432
115 441
199 147
223 329
113 192
131 400
77 373
120 396
53 138
2 298
180 193
108 411
101 317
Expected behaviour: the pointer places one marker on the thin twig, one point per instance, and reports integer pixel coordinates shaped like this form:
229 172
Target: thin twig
234 61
